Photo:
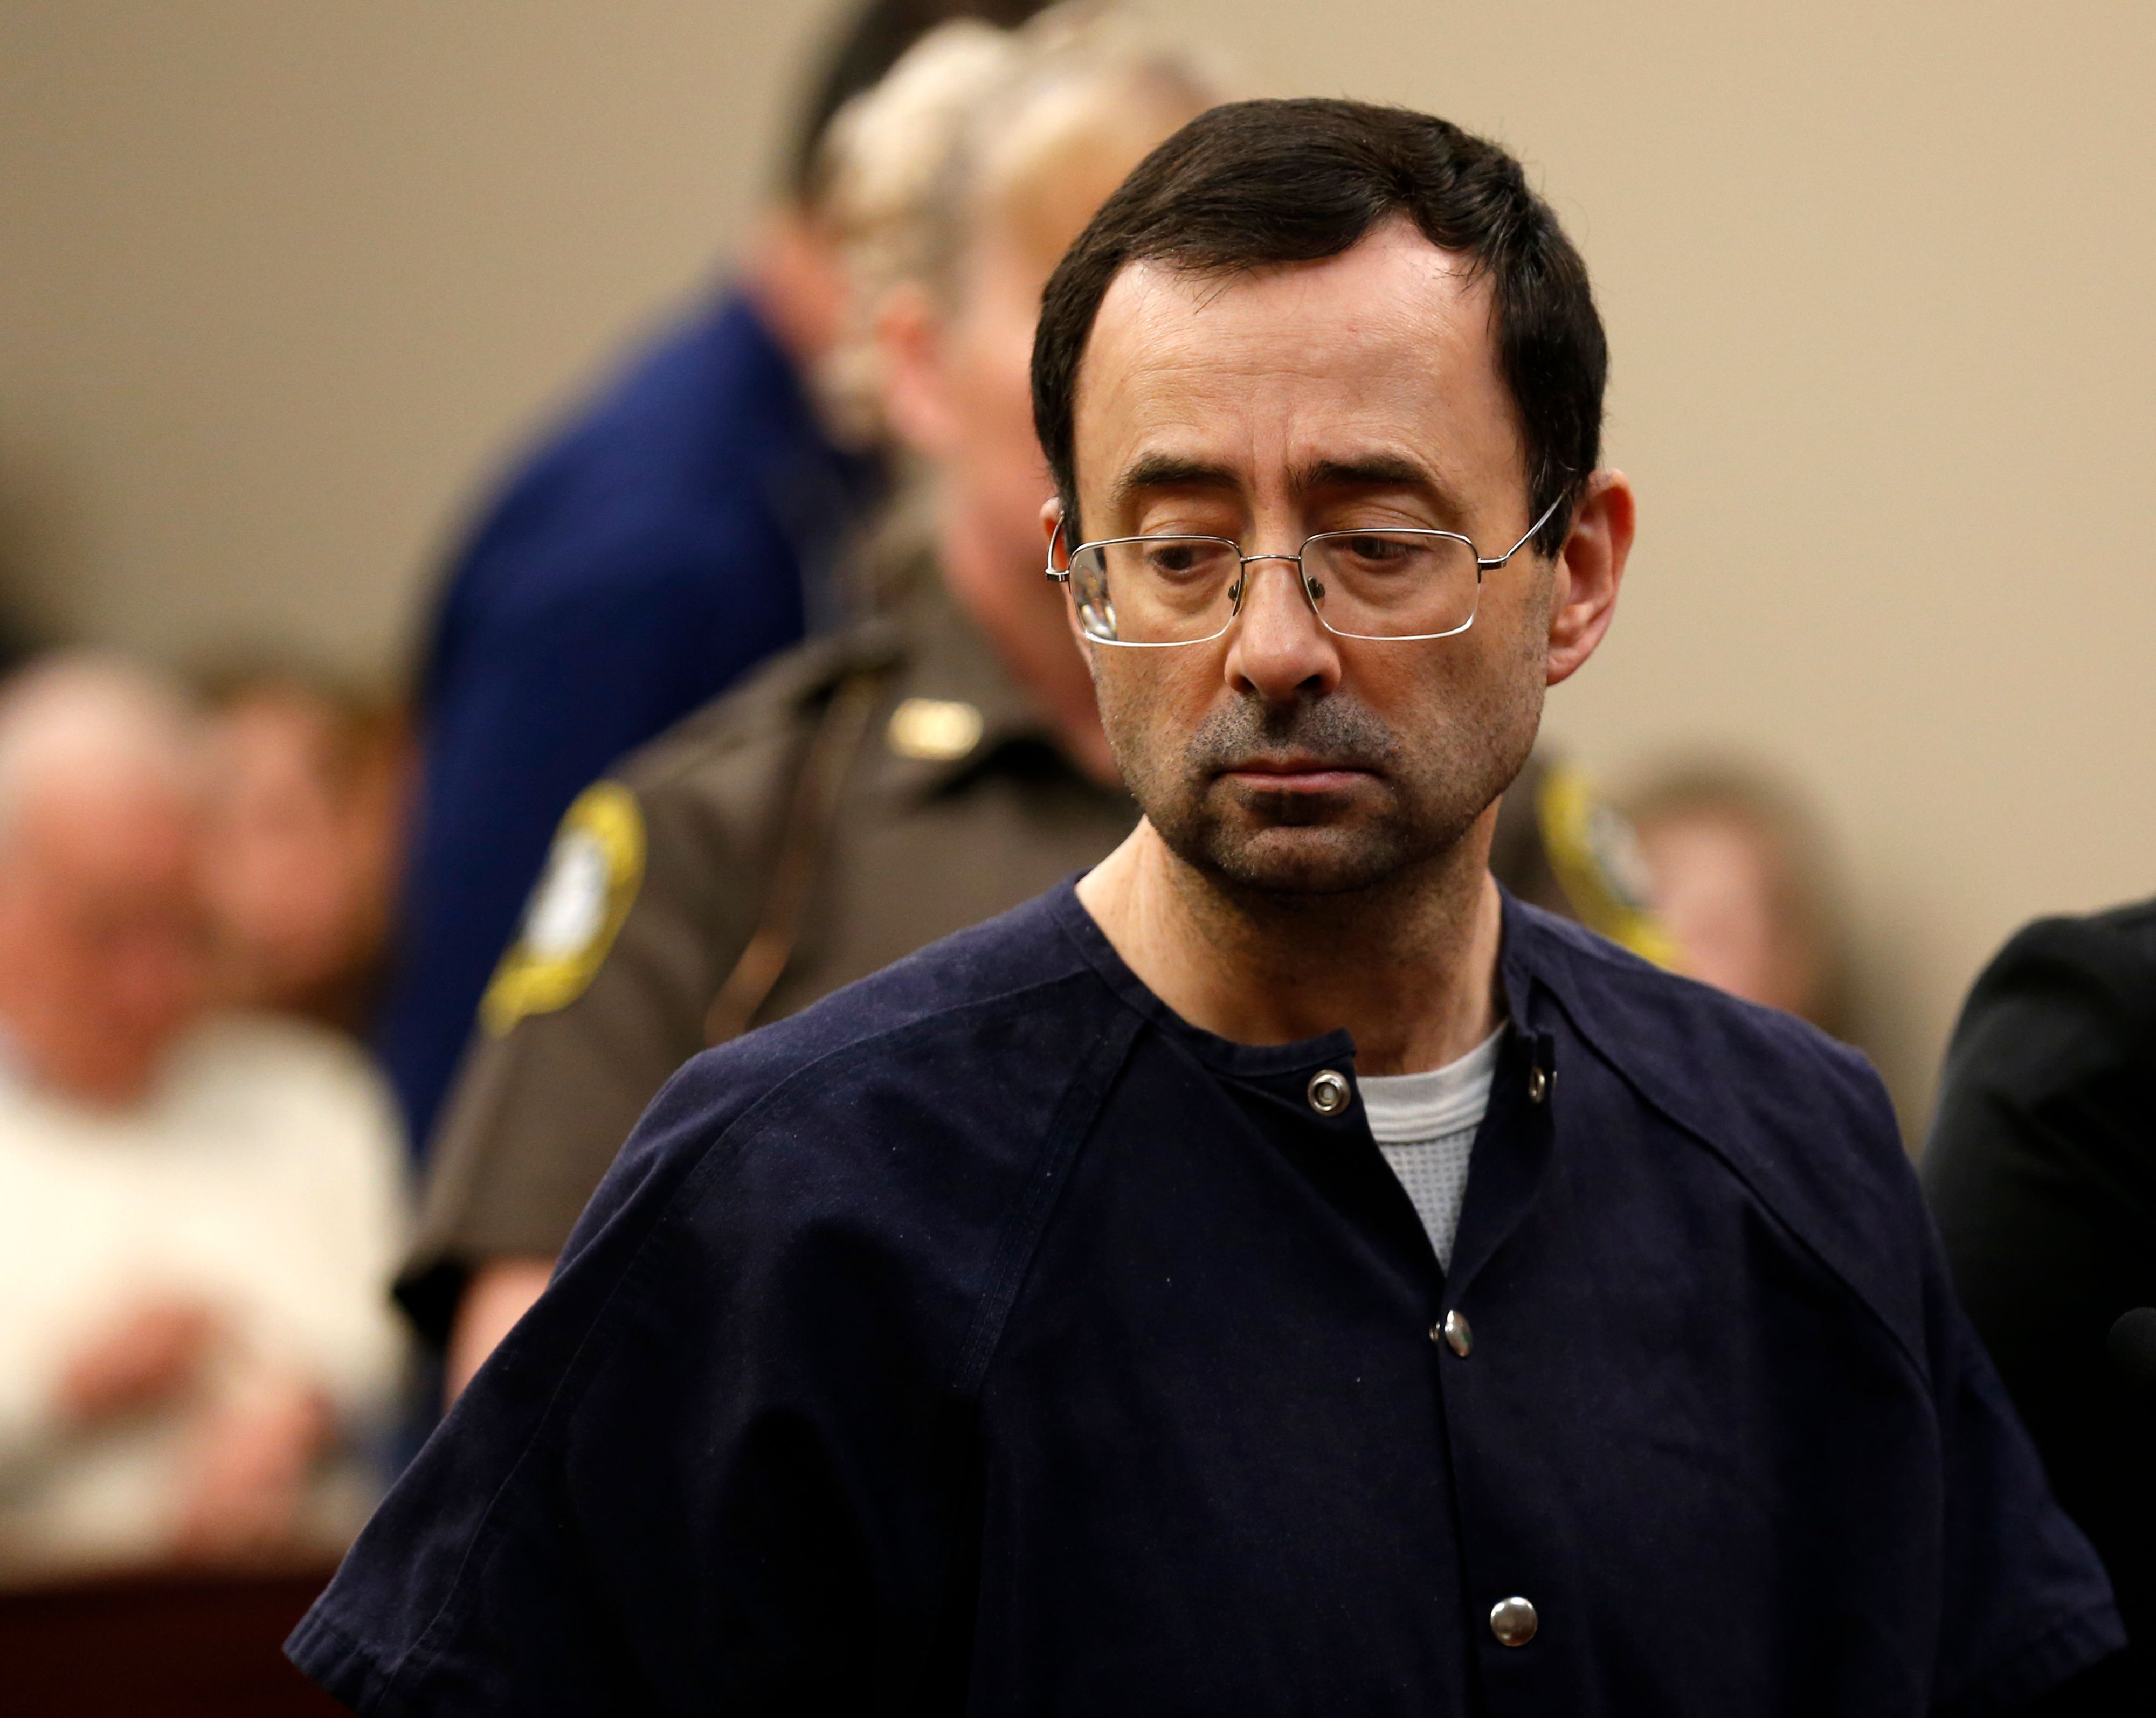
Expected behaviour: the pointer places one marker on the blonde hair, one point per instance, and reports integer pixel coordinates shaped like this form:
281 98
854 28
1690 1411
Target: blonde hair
975 119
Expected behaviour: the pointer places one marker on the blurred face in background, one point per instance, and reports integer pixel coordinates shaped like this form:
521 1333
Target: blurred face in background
793 272
961 392
1724 883
304 816
958 355
102 951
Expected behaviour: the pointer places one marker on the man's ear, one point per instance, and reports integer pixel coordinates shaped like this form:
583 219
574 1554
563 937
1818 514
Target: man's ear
909 339
1589 569
1051 520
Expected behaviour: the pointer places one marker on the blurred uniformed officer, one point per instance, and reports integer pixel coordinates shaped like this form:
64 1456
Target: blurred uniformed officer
865 796
686 523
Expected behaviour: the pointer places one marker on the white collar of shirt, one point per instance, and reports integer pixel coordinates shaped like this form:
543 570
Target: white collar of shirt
1403 1107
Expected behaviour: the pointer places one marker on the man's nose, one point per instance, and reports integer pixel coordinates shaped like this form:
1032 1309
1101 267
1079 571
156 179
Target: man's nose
1277 647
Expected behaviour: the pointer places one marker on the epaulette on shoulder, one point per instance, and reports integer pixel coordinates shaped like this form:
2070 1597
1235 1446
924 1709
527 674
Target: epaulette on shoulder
767 707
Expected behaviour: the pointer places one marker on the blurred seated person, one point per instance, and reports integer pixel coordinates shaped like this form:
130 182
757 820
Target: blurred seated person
862 797
2041 1174
686 522
198 1212
1737 872
308 791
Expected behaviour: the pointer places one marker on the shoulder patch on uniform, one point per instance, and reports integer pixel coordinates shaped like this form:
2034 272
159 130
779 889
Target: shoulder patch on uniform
1597 860
593 873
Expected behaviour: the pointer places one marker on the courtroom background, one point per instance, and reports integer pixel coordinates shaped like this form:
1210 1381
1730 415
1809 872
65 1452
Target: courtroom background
282 287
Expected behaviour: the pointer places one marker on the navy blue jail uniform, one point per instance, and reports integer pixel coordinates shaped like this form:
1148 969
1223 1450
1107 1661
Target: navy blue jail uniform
682 529
987 1339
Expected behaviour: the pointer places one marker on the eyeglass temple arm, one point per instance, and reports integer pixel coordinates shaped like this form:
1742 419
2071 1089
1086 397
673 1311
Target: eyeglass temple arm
1061 576
1548 513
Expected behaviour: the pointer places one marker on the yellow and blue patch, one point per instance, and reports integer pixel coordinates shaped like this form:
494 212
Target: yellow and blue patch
1597 865
593 873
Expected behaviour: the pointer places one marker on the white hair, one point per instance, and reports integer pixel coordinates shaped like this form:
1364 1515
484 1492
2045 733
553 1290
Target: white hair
972 110
81 715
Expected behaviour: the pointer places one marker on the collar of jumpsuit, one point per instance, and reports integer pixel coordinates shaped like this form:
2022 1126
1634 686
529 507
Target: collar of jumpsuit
988 1338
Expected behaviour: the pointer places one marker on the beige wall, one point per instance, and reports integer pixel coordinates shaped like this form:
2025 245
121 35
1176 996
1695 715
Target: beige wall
280 283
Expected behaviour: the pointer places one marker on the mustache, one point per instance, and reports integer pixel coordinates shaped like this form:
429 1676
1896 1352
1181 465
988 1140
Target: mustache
1333 730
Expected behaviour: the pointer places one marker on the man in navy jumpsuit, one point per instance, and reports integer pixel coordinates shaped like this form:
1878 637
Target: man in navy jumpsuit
1278 1273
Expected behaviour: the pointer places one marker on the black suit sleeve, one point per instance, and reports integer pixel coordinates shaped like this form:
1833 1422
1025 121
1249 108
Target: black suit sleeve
2041 1171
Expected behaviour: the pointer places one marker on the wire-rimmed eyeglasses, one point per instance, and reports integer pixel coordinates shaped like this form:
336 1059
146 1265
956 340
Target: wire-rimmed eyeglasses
1384 584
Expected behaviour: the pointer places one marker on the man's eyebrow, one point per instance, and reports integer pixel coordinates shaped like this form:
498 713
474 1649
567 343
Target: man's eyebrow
1156 472
1375 471
1168 471
1395 471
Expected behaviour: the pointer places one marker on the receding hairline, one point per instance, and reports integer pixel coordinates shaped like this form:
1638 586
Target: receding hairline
97 723
1308 178
1373 466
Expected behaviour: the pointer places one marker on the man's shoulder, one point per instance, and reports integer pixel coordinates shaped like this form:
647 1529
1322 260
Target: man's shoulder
944 1071
759 725
2069 1004
773 706
683 813
1802 1122
715 361
667 458
2107 960
956 999
648 426
1679 1035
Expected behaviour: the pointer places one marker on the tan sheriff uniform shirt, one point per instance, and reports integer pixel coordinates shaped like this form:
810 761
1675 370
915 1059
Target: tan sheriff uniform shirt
950 803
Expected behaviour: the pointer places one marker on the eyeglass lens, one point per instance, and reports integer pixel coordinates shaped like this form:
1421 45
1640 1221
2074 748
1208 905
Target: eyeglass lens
1169 590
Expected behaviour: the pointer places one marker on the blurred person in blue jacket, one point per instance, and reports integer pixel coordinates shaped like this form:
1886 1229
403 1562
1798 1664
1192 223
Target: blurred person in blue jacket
682 526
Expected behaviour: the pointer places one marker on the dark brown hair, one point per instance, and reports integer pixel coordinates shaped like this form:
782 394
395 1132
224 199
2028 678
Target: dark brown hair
1255 183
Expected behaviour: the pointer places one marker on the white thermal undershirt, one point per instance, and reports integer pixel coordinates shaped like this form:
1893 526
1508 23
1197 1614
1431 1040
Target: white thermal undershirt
1425 1125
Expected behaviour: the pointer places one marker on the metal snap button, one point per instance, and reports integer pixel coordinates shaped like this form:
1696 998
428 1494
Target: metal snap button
1459 1334
1513 1621
1538 1084
1329 1092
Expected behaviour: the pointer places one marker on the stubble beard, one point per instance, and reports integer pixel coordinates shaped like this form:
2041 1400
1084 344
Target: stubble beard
1406 819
